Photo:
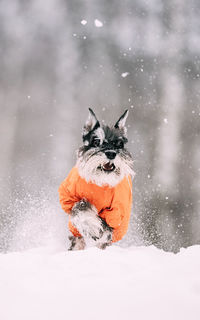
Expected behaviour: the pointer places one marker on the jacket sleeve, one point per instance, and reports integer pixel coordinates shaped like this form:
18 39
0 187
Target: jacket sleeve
119 213
113 216
67 192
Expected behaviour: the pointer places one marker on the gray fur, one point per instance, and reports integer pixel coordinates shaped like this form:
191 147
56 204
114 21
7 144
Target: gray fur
91 226
77 243
85 218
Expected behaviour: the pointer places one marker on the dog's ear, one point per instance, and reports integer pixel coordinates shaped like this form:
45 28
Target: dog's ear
91 124
120 124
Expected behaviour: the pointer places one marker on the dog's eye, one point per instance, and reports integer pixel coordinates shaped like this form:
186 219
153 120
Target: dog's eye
96 142
119 144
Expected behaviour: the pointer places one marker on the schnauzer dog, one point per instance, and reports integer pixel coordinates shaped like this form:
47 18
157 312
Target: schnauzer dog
97 193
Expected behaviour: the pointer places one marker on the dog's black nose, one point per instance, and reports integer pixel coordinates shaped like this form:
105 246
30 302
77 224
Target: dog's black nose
110 155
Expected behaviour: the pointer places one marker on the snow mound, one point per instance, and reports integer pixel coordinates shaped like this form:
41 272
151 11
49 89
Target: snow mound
132 283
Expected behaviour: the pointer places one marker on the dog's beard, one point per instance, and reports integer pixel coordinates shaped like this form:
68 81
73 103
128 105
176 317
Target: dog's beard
95 167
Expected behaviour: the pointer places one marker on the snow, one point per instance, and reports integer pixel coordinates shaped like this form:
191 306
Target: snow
83 22
118 283
124 74
98 23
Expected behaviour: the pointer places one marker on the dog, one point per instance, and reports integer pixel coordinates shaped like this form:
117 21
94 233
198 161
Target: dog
97 193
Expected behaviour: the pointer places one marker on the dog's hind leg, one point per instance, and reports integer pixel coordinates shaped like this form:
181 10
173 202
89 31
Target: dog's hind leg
77 243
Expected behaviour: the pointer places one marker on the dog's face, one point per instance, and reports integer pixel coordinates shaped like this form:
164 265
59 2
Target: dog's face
103 159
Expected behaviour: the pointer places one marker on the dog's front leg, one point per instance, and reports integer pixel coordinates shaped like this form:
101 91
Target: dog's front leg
85 219
106 238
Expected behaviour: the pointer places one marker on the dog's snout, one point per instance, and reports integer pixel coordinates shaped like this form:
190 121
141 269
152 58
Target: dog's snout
110 155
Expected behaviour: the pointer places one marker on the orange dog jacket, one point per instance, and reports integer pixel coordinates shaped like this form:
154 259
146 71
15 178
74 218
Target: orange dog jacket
113 203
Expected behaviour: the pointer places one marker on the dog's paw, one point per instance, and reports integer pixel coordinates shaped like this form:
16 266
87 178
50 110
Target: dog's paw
76 243
84 217
106 238
92 228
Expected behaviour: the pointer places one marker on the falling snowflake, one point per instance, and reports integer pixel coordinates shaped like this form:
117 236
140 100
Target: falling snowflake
98 23
84 22
124 74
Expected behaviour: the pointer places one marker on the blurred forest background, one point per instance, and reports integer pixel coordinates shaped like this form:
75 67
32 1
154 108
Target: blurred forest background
56 60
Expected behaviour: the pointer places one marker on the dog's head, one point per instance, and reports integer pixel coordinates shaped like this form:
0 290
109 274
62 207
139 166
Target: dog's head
103 158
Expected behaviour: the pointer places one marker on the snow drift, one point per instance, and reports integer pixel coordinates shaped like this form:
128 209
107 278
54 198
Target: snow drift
131 283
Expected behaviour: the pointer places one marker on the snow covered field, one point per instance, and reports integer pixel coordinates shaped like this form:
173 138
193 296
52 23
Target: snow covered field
132 283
